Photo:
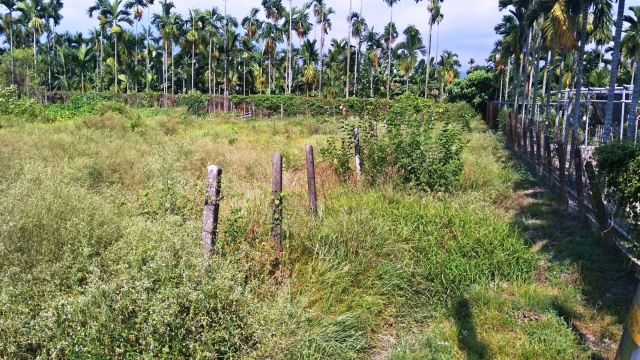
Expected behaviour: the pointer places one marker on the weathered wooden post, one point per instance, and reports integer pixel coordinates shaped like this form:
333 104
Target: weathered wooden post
532 156
600 209
307 110
421 120
525 149
334 110
629 347
579 183
539 149
375 129
211 209
253 109
281 110
311 181
549 158
562 164
276 206
357 146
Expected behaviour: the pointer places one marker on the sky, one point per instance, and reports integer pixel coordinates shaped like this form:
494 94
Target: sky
467 27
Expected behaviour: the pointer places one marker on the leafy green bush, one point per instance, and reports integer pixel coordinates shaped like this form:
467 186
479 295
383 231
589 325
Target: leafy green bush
113 106
502 121
619 164
19 108
194 101
473 89
426 156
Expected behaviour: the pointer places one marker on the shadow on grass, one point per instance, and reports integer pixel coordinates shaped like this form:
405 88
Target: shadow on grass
605 282
466 333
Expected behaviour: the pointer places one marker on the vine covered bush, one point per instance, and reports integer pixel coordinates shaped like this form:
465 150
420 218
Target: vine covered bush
619 165
194 101
421 153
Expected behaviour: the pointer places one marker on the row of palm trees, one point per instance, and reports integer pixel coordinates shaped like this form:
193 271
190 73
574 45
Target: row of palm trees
543 48
132 49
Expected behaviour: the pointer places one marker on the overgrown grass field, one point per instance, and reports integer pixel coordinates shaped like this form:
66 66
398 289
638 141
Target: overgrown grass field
100 222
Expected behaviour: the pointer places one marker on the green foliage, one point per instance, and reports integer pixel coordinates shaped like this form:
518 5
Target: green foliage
107 262
18 109
613 161
113 106
474 89
194 101
424 155
619 164
20 73
502 121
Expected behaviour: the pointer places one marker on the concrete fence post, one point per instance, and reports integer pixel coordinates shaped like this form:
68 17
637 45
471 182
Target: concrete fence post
276 205
311 181
211 209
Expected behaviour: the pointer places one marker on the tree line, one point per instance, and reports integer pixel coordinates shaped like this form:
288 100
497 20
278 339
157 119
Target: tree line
132 49
549 45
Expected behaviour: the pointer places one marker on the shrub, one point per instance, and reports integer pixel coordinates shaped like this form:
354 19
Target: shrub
112 106
194 101
473 89
426 156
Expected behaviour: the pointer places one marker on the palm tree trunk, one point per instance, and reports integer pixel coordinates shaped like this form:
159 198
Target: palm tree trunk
371 84
559 95
525 61
426 81
136 62
516 90
173 73
35 51
536 77
321 49
115 52
501 82
209 77
631 122
548 81
101 57
346 89
506 85
615 62
11 45
289 52
193 65
147 50
583 41
389 63
355 73
244 77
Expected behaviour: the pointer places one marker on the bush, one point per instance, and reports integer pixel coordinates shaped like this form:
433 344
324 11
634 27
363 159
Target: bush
619 164
112 106
473 89
426 156
194 101
11 105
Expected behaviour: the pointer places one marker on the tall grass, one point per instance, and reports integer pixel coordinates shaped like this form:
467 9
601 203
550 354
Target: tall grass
99 243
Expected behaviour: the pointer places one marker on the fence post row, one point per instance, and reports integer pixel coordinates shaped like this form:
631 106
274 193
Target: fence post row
276 191
211 209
